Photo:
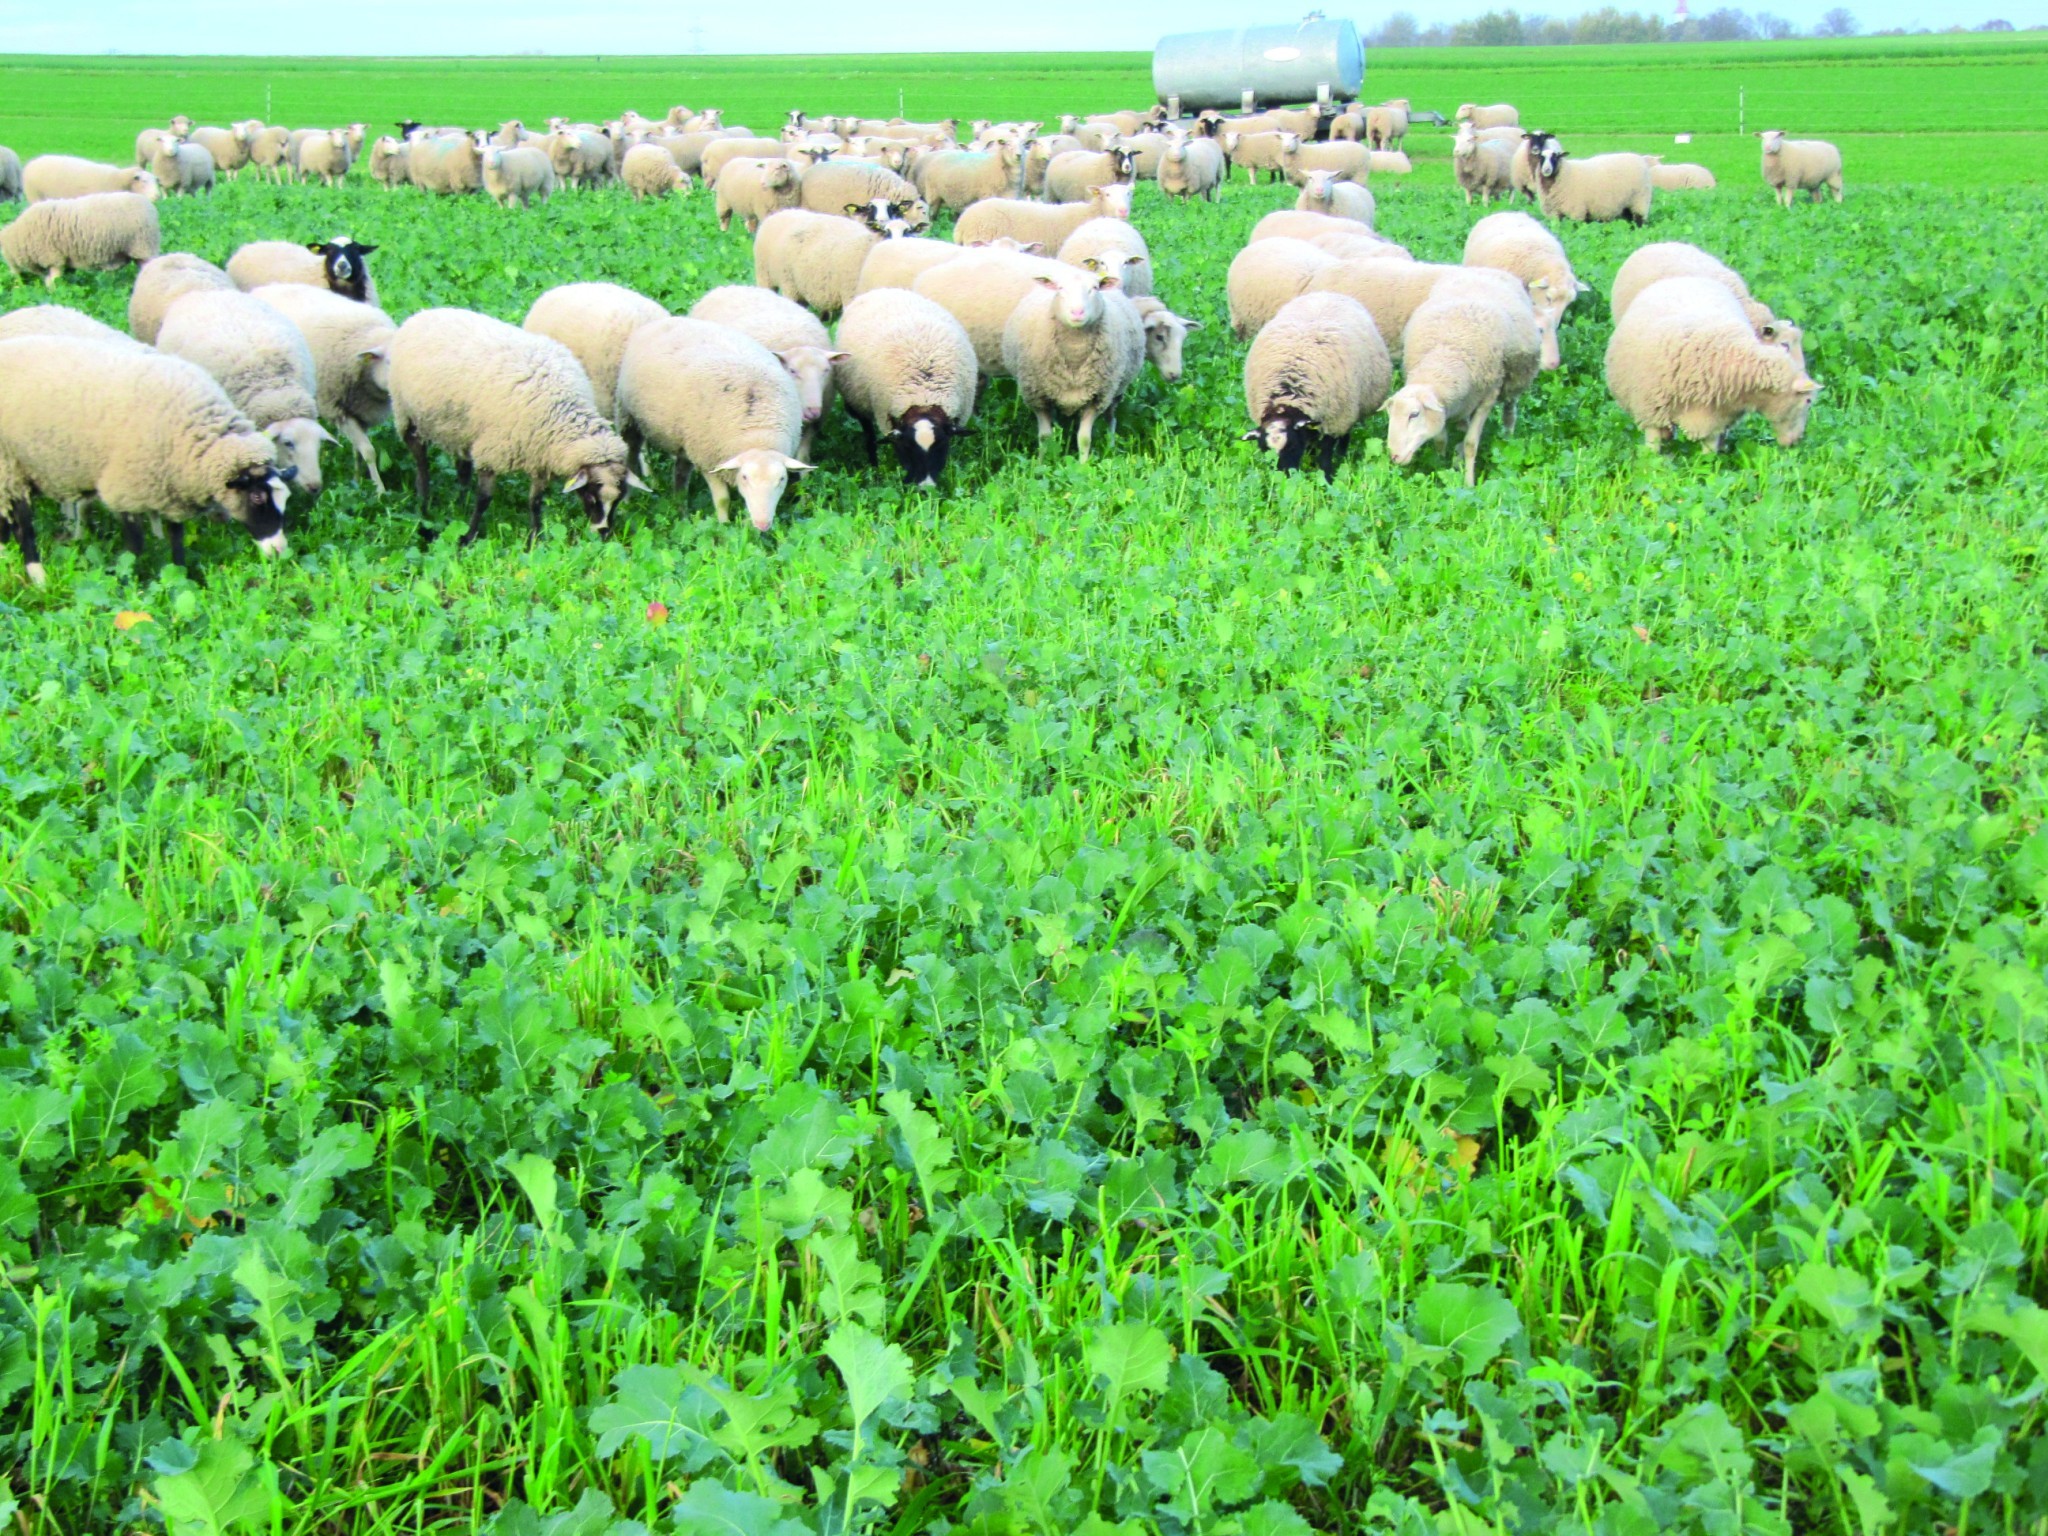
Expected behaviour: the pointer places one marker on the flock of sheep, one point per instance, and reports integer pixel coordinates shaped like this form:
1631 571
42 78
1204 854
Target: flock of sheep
216 398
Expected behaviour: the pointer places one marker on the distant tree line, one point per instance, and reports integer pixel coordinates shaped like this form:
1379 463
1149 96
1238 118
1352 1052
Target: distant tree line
1498 29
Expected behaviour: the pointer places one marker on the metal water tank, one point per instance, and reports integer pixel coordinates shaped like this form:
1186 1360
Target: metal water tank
1311 60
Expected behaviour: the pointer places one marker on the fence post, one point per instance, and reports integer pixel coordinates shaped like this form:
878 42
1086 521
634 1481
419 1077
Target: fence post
1742 111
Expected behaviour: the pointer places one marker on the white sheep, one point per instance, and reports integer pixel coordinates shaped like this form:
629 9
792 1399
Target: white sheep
1522 168
149 141
182 169
448 164
1045 225
899 263
1073 344
501 400
716 155
1265 275
1165 335
1253 153
719 401
351 347
1298 158
1392 290
1327 192
263 362
1385 125
1682 177
1391 162
813 258
340 265
907 370
1359 247
269 152
1500 116
648 170
751 188
980 289
99 231
594 321
1465 350
324 156
1800 165
60 320
145 433
1598 189
161 282
1674 258
960 178
1116 245
391 163
522 176
833 186
581 157
1348 126
1484 168
1313 370
10 175
1190 167
1514 242
1072 176
1686 358
228 146
796 336
47 178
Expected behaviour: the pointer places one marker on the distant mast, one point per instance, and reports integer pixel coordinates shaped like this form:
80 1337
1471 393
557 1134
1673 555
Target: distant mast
1681 16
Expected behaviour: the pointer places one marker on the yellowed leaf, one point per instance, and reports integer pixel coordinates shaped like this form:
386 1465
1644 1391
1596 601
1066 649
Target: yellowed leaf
128 618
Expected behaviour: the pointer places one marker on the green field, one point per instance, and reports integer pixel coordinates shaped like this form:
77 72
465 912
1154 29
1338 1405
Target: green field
1151 997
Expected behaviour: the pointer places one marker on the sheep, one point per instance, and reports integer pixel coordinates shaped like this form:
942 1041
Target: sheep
752 189
142 432
521 176
1072 176
182 169
1074 344
1672 258
1686 359
581 157
960 178
502 400
228 146
1265 275
61 320
899 263
450 164
1386 125
263 363
1146 150
1348 126
1392 291
99 231
268 152
1358 247
1326 192
648 170
1165 335
161 283
1038 155
351 346
1305 122
1501 116
47 178
1104 240
1595 190
719 401
594 321
717 154
687 149
1516 243
980 289
908 370
1313 370
1522 167
1391 162
181 125
1045 225
814 258
511 134
1465 350
340 265
1253 153
1191 168
1298 158
834 185
1304 224
1800 165
1683 177
10 175
795 335
390 162
324 157
1484 168
149 141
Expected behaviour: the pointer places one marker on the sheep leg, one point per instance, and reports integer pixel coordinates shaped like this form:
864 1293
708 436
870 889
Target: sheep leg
411 438
867 433
175 533
1084 434
131 535
1654 438
1333 450
74 520
720 496
486 483
360 441
1045 427
465 471
1507 415
1474 431
533 501
25 534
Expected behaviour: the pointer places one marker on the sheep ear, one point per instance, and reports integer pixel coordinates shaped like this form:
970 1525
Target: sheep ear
637 483
1806 385
325 435
727 467
796 464
318 247
838 357
1091 263
1250 437
855 211
368 353
1045 282
1582 287
1193 325
576 482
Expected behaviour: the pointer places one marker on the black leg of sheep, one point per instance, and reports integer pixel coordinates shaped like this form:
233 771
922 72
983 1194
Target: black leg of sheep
485 485
131 536
1333 450
419 468
24 522
533 501
175 532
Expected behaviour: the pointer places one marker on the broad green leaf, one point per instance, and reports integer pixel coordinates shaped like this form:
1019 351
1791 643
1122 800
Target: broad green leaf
1474 1322
2025 1325
1127 1358
1959 1474
536 1177
928 1148
1840 1297
873 1371
1291 1451
1202 1475
707 1509
226 1491
655 1405
1273 1518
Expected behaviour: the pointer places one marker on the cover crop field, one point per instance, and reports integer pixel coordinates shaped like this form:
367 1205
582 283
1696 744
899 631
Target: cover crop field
1146 997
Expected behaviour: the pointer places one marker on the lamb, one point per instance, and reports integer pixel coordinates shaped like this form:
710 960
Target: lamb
391 162
1683 177
814 258
99 231
1673 258
1465 351
1074 344
340 265
1112 240
1325 192
908 370
594 321
521 176
263 363
1253 153
1391 162
581 157
269 151
1501 116
450 165
1045 225
1386 125
1392 291
351 346
1265 275
1516 243
161 283
835 185
718 153
753 188
182 169
1072 176
1686 358
50 177
899 263
1165 335
502 400
1298 158
1314 369
648 170
143 432
1799 165
149 141
10 175
981 289
795 335
325 157
1191 168
721 403
61 320
1484 168
1599 189
1146 150
228 146
511 134
960 178
1348 126
1038 155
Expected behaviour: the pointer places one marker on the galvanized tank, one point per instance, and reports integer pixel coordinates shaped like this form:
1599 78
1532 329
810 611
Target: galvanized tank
1313 60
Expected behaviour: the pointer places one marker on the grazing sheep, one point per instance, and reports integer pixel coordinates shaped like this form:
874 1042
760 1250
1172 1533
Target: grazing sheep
1358 247
1303 122
10 175
581 157
61 320
1598 189
1327 192
980 289
448 164
594 321
719 401
351 346
1522 168
228 146
815 258
1305 224
753 188
1045 225
835 185
687 149
1386 125
97 232
502 400
1038 156
262 361
1265 275
48 178
391 163
908 370
1516 243
1484 168
648 170
1391 162
795 335
1348 126
1313 370
1099 239
1683 177
1253 153
960 178
1165 335
1191 168
1465 351
269 152
1800 165
1074 344
716 155
1072 176
1298 158
522 176
899 263
1686 358
161 283
145 433
1501 116
1674 258
340 265
1392 291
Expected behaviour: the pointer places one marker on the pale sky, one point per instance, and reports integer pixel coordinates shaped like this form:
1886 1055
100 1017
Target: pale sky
783 26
